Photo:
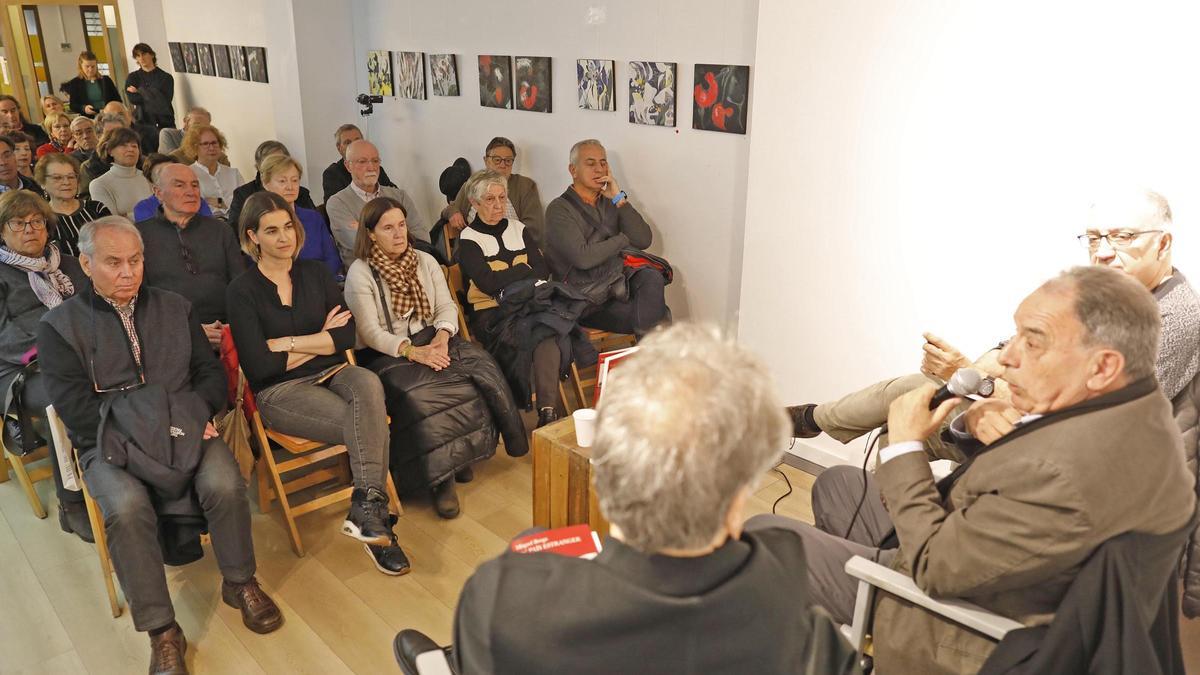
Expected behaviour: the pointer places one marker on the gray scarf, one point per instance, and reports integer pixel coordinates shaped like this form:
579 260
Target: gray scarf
49 283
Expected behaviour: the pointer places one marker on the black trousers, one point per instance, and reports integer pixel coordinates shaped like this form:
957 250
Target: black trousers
637 315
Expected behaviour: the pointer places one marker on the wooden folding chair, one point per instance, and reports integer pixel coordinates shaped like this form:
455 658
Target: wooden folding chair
27 477
58 432
305 455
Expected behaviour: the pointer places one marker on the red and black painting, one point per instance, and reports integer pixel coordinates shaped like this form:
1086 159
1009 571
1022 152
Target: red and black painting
533 83
721 98
495 81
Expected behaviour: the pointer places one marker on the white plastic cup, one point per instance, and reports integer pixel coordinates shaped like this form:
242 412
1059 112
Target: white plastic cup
585 426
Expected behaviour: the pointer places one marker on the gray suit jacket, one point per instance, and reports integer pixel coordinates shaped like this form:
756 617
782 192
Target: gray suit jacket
344 208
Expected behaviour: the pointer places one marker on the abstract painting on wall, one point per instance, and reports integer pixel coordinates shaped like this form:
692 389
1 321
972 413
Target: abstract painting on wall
722 98
177 62
379 72
533 83
221 56
205 54
410 75
652 93
190 62
256 63
237 55
443 73
495 81
595 82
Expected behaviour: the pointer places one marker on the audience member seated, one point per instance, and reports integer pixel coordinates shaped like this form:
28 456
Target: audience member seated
169 140
261 153
1011 527
524 203
23 152
123 185
151 91
362 160
446 396
58 126
193 255
58 174
280 173
52 103
10 177
10 114
217 181
119 109
89 91
336 176
148 207
496 252
687 429
108 355
35 276
587 227
291 332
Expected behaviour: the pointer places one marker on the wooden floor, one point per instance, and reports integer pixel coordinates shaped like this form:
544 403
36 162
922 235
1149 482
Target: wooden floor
341 613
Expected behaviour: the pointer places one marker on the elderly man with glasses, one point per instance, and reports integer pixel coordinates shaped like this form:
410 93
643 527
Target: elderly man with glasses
524 203
130 371
343 208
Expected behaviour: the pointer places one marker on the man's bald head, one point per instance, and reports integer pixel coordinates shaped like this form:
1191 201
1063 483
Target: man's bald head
120 109
362 161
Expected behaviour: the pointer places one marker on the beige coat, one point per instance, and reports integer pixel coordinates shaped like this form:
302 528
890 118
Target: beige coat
366 304
1023 518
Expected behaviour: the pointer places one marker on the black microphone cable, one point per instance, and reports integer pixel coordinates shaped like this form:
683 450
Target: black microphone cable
871 441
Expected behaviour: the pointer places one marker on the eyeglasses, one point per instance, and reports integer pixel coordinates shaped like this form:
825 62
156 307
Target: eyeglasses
111 390
189 263
36 224
1120 239
61 177
502 161
210 144
364 162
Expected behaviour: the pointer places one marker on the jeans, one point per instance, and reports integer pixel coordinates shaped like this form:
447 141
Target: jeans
637 315
348 409
132 528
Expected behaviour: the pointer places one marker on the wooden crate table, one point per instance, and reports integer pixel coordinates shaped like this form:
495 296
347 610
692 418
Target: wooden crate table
563 493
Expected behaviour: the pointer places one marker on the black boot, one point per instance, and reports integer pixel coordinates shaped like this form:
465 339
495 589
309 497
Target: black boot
389 559
546 416
445 499
368 517
804 425
73 517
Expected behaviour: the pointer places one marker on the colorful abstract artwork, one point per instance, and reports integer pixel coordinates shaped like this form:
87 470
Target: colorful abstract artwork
205 54
177 62
495 81
191 62
595 83
652 93
410 75
533 83
237 56
721 98
443 74
256 63
379 72
221 56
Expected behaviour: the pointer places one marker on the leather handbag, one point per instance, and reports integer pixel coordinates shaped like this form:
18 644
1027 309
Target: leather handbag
20 439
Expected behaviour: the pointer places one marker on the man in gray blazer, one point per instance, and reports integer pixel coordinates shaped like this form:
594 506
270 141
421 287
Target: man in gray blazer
343 208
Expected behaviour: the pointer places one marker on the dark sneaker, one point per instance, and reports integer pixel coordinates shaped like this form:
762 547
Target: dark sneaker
73 518
166 652
803 423
465 475
368 517
445 500
546 416
389 559
259 611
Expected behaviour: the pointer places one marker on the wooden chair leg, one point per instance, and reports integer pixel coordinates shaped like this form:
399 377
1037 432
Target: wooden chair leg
284 505
106 569
394 504
584 402
4 467
18 467
264 483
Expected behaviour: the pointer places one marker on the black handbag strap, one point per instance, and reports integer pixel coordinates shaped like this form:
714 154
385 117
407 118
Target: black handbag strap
387 313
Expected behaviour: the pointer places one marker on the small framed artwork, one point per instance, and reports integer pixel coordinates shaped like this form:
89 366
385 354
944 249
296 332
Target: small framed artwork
177 62
256 63
191 63
379 73
652 93
221 56
410 75
533 83
594 78
205 54
443 74
237 58
495 81
721 98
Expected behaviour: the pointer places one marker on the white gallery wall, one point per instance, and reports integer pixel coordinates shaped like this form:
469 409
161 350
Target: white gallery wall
924 166
689 184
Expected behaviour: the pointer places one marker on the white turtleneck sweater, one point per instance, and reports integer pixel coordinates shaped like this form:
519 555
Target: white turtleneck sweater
120 188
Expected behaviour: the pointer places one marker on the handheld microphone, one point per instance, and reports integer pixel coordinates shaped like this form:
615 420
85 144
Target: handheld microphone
964 382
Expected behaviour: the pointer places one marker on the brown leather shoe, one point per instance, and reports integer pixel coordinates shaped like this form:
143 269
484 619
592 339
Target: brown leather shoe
166 652
259 612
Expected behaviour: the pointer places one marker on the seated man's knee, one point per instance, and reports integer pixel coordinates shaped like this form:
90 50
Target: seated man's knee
125 509
218 480
833 486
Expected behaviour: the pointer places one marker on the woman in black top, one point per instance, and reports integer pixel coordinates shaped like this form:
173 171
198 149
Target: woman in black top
291 332
58 174
494 252
89 91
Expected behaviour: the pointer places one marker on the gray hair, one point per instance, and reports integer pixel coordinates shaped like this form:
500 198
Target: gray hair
337 135
80 121
89 232
576 148
477 186
267 148
106 117
1116 312
686 424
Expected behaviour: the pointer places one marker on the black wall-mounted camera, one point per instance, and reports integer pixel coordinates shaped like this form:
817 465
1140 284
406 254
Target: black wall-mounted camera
368 103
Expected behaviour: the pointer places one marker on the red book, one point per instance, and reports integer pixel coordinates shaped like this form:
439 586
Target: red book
608 361
573 541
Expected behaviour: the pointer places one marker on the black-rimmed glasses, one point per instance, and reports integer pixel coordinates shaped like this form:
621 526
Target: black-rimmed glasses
111 390
37 224
1117 240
